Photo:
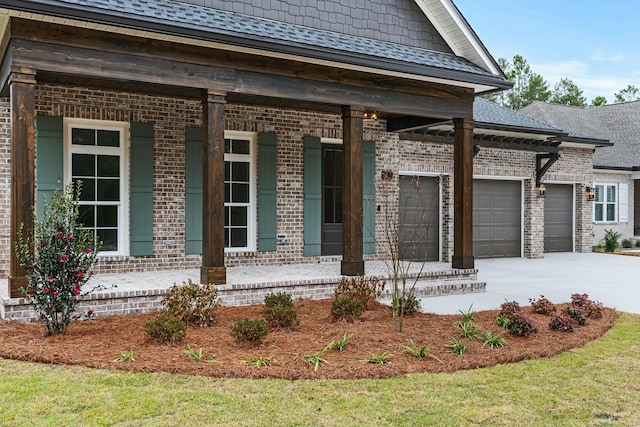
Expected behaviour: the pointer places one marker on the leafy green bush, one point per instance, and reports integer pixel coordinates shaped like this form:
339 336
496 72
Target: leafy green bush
542 306
346 307
508 308
627 243
593 309
249 330
610 240
577 314
521 325
280 316
411 304
561 322
502 321
282 299
58 255
166 328
638 243
365 290
193 303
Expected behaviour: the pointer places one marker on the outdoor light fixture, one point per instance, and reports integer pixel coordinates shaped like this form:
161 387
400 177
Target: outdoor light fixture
590 193
370 116
540 188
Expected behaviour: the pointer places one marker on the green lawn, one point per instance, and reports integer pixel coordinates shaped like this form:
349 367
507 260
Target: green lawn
595 385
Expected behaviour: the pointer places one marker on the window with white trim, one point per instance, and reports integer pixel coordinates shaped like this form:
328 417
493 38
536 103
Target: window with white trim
96 155
605 203
240 191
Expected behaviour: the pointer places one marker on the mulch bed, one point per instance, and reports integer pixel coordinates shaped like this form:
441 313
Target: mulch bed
96 343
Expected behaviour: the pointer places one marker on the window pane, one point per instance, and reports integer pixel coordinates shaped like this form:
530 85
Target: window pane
107 216
86 216
87 189
599 193
611 193
109 166
240 193
328 206
238 216
226 238
227 211
227 145
227 171
240 146
338 202
83 136
238 237
109 190
109 239
109 138
338 159
227 192
240 171
328 167
611 212
598 212
83 165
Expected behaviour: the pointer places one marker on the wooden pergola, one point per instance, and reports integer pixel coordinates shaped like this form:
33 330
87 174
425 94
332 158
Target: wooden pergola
56 53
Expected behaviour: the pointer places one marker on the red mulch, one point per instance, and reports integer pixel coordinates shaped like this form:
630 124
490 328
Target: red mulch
96 343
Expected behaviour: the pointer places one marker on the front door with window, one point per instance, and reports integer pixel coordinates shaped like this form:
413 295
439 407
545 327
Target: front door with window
332 174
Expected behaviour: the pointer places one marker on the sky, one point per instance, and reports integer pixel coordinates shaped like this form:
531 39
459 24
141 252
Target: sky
594 43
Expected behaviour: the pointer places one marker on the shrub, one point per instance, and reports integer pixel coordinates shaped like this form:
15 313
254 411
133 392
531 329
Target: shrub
249 330
561 322
166 328
593 309
610 240
280 316
627 243
411 304
193 303
577 314
365 290
508 308
58 255
638 243
502 321
346 307
280 299
521 325
542 306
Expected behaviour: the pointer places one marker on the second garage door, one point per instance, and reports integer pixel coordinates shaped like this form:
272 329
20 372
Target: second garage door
497 218
558 218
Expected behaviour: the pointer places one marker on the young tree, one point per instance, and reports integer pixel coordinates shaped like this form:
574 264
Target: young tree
566 92
630 93
598 101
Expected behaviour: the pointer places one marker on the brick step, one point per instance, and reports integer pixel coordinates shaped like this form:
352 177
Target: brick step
435 288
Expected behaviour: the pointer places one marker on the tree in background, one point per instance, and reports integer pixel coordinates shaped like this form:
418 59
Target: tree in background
566 92
630 93
527 85
598 101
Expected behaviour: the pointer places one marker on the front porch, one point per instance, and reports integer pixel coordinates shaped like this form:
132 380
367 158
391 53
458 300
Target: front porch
142 292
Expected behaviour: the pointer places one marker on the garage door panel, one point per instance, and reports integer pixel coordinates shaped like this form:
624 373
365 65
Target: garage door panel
497 218
558 218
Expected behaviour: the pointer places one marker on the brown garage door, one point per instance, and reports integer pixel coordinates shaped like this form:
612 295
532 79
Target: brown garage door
419 218
497 208
558 218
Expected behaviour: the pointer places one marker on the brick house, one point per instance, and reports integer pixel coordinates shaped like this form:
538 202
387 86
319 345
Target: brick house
211 134
616 176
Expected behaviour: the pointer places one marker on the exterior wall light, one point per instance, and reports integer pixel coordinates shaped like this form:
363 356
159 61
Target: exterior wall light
590 193
370 116
540 188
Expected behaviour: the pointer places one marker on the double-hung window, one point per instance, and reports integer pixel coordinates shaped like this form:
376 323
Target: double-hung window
96 156
239 191
605 203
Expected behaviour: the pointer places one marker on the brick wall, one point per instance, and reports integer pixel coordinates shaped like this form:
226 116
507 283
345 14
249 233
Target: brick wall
170 116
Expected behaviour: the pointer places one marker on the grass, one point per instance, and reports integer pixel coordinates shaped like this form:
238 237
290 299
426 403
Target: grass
595 385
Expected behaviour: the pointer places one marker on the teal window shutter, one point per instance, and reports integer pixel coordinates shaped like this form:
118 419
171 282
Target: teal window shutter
369 197
267 191
312 196
193 196
141 190
49 159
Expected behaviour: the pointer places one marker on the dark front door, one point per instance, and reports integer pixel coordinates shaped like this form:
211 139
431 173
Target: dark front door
332 173
558 218
419 218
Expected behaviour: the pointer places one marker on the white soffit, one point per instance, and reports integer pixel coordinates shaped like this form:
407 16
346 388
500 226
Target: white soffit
457 32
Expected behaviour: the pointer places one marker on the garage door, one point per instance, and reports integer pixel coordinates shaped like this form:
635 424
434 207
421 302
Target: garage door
558 218
419 218
497 207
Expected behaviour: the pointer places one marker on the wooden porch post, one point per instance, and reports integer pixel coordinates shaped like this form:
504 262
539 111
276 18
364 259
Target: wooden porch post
22 93
352 216
213 269
463 194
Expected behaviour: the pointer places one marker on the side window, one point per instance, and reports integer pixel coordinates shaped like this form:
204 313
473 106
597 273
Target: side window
604 206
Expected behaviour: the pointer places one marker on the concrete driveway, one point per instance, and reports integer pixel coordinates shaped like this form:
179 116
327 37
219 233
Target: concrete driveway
612 279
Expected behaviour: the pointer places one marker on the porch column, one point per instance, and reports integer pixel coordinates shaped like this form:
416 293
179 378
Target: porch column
463 194
352 217
22 93
213 269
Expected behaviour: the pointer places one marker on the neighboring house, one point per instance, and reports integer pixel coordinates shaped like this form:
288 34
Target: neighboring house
213 134
616 169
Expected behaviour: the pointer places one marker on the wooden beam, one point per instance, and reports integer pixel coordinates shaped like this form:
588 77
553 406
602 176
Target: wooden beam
408 123
352 213
22 93
463 194
540 169
213 269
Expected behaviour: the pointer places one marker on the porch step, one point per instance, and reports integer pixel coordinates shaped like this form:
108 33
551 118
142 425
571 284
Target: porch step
436 288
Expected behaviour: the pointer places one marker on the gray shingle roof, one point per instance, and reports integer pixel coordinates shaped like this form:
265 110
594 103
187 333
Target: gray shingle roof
208 23
490 113
619 123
